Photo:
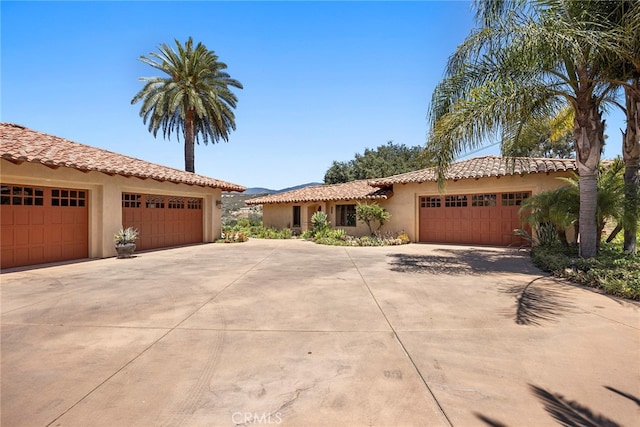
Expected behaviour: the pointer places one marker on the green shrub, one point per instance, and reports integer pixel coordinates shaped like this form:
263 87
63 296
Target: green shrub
612 271
546 235
272 233
245 227
551 258
337 234
369 213
243 223
339 238
326 240
319 222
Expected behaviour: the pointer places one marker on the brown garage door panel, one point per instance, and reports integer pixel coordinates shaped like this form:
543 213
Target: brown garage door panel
163 221
471 219
43 224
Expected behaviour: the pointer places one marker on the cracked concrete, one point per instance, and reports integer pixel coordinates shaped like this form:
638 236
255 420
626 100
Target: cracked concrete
297 334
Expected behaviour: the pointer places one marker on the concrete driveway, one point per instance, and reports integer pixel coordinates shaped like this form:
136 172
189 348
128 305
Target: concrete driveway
297 334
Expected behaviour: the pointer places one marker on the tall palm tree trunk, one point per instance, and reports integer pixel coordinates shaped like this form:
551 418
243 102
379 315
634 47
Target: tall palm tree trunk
589 138
631 156
189 141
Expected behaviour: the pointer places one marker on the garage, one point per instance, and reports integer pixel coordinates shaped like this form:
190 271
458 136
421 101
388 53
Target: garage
483 219
43 224
162 220
62 200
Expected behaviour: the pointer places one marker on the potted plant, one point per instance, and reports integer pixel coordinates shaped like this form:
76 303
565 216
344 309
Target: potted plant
125 241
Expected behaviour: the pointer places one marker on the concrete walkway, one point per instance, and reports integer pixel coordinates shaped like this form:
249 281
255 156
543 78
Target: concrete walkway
297 334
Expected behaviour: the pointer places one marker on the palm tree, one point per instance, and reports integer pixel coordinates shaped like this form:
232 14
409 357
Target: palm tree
560 207
624 57
610 195
526 61
631 155
194 98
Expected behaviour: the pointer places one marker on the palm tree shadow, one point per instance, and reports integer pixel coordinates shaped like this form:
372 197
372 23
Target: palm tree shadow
570 413
489 421
536 304
567 413
631 397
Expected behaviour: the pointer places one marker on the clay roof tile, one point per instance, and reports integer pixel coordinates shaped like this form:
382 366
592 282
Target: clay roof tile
482 167
20 144
354 190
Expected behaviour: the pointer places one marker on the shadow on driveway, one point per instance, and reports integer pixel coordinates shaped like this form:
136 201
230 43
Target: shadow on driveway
537 303
566 412
463 261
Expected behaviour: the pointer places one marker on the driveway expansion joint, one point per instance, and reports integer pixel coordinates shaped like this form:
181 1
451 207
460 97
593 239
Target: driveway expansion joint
128 363
397 337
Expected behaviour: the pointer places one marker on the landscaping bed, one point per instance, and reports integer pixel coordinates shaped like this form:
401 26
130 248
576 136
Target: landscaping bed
612 271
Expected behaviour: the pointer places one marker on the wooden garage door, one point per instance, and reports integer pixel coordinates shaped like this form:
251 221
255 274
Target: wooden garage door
163 221
43 224
484 219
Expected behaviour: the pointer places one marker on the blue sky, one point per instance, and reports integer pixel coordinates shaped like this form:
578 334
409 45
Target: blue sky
322 80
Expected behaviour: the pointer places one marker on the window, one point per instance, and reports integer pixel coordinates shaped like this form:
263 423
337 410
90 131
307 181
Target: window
296 216
346 215
155 202
176 202
430 202
455 201
194 203
27 196
484 199
131 200
64 198
514 199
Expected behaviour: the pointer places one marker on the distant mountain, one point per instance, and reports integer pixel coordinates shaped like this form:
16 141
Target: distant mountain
261 190
297 187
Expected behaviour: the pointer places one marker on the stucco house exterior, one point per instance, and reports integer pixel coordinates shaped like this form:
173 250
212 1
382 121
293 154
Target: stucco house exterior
294 209
61 200
478 205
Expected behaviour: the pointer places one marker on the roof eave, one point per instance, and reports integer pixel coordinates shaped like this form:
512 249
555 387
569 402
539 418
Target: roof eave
85 169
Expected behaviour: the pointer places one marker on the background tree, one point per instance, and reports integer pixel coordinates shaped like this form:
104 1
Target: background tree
525 61
550 137
339 172
385 160
193 99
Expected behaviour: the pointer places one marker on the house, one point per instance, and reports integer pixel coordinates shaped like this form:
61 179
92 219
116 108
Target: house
61 200
294 209
478 205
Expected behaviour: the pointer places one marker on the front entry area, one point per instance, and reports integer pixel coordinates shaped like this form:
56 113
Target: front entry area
43 224
483 219
163 221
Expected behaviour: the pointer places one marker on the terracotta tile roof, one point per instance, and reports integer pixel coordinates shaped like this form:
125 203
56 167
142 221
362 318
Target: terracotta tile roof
357 190
20 144
482 167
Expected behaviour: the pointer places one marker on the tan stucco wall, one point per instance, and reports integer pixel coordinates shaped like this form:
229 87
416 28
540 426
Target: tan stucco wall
281 216
404 204
105 200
